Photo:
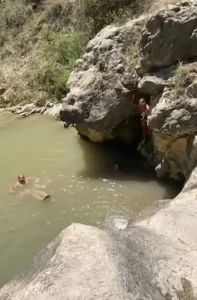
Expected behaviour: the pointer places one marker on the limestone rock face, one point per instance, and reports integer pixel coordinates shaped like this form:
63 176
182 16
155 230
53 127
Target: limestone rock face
167 37
153 258
102 84
170 35
173 121
174 116
151 84
191 90
91 134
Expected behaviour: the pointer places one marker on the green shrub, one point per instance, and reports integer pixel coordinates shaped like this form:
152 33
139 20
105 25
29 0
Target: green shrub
52 79
100 13
64 47
58 13
51 72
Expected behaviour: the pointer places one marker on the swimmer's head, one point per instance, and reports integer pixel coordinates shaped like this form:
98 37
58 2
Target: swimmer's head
116 167
142 101
21 179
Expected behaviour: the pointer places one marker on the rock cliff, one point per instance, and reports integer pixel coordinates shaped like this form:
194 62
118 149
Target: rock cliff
153 57
153 258
102 83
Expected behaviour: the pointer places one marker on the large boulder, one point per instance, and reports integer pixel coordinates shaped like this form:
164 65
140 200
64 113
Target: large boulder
170 35
102 84
151 84
153 258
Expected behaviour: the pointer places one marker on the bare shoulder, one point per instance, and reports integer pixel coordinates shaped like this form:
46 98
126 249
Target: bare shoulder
16 184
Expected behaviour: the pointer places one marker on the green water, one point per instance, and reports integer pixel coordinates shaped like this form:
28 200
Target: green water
78 175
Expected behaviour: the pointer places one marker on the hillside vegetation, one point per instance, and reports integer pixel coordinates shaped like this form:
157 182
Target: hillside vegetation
40 40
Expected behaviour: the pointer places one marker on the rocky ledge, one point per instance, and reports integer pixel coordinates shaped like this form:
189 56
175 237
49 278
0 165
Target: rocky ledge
153 258
154 57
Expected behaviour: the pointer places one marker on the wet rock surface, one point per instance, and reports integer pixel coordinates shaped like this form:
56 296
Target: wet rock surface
153 258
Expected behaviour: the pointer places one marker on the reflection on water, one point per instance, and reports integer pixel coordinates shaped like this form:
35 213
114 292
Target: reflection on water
79 176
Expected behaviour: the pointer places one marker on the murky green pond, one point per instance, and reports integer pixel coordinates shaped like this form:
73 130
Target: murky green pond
79 176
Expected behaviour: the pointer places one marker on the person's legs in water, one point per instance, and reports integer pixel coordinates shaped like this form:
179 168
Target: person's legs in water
40 195
144 126
145 133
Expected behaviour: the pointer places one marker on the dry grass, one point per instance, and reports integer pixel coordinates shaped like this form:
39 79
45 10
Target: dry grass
133 55
153 5
36 62
184 75
40 40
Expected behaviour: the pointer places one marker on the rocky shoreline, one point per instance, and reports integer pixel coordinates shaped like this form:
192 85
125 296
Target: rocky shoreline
24 111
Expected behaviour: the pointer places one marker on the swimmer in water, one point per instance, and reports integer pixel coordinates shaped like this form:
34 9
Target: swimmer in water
22 180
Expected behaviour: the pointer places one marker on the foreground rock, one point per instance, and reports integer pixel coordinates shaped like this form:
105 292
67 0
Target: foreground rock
154 258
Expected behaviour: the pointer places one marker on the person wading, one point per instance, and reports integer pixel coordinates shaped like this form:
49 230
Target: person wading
144 110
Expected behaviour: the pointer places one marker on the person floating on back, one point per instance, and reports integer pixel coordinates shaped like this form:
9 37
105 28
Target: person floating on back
37 194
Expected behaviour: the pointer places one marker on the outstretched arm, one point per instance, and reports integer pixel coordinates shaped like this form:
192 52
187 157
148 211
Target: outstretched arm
12 187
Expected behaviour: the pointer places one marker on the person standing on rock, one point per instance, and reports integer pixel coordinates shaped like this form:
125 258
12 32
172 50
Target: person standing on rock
144 110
